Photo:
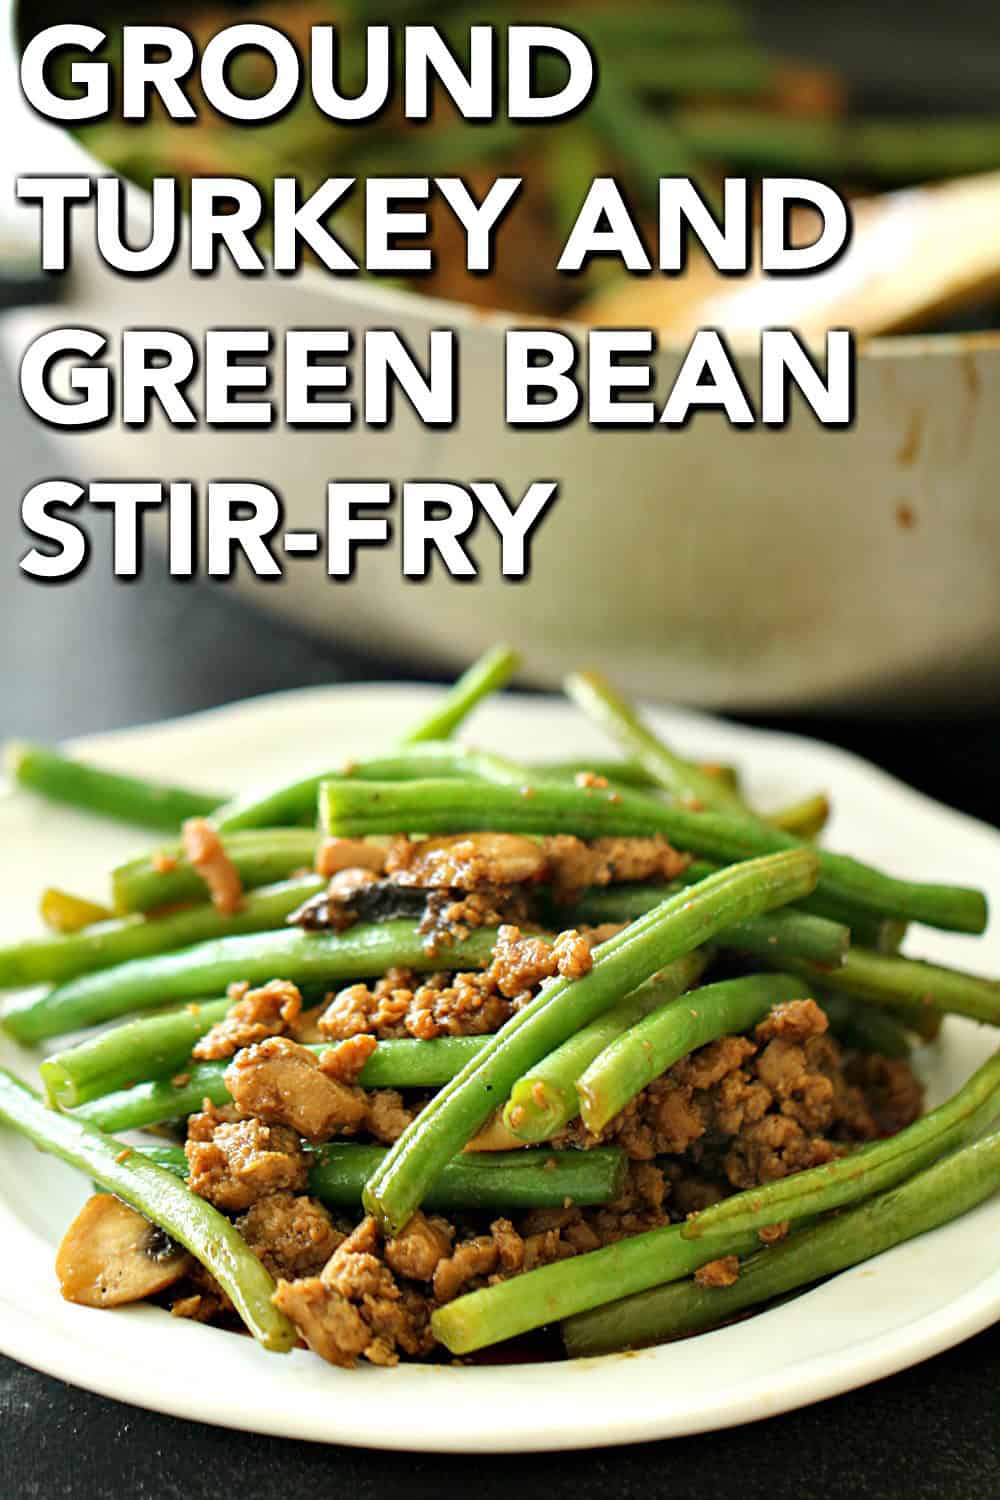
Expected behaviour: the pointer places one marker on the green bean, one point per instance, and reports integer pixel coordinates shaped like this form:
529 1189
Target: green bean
943 1192
623 772
662 26
760 139
728 774
916 1017
654 1044
492 671
449 149
353 808
645 142
885 151
158 1195
108 794
806 819
884 937
170 1158
687 782
306 958
838 896
926 149
295 802
624 900
356 808
457 762
403 1064
53 960
553 1293
681 21
125 1055
491 1180
975 1104
572 160
545 1098
864 1027
682 923
733 70
924 1021
166 877
159 1100
770 935
867 929
288 804
443 759
908 983
887 937
789 933
63 912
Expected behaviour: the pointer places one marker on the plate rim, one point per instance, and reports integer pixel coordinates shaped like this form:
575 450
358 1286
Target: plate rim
759 1401
52 1343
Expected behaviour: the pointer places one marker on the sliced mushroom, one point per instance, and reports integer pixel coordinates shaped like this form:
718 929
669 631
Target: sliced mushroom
110 1254
349 854
357 896
468 861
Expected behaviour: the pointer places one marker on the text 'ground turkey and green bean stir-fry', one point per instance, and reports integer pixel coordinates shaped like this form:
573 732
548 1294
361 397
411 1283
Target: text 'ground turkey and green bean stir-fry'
437 1050
684 88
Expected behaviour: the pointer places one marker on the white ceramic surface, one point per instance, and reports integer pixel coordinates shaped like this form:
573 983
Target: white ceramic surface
908 1304
709 565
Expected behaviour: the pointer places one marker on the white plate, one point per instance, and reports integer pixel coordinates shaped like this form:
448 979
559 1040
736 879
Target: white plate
911 1303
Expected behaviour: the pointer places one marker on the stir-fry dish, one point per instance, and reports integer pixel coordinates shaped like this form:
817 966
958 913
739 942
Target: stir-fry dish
685 88
438 1050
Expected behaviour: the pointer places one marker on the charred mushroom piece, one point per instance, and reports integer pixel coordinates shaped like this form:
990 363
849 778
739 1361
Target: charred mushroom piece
110 1255
357 896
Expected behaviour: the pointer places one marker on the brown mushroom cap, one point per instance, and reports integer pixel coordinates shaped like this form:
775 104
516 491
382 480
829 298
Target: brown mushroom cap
110 1254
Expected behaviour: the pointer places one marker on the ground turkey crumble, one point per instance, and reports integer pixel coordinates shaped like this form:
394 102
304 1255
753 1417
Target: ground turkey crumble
404 1004
355 1306
466 861
574 864
737 1112
374 1297
464 1004
234 1161
206 854
463 881
293 1235
254 1015
288 1085
743 1111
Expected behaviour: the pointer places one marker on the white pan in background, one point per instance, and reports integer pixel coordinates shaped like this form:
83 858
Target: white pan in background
724 567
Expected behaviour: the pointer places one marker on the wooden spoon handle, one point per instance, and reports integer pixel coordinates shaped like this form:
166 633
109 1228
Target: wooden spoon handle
913 254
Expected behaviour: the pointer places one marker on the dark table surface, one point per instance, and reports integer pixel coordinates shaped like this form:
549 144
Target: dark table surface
101 653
